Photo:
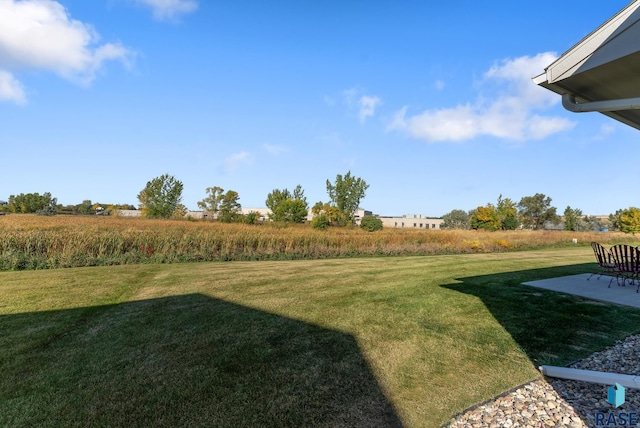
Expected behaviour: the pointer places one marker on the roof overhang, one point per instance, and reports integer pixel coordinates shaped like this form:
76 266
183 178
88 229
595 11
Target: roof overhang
602 72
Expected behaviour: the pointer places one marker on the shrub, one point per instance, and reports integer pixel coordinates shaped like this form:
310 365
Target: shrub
474 245
502 244
370 223
48 210
252 218
321 221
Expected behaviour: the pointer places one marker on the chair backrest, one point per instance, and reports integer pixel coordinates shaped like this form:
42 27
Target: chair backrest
626 258
603 256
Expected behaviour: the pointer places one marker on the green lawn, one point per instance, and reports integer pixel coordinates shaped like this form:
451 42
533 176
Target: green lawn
398 341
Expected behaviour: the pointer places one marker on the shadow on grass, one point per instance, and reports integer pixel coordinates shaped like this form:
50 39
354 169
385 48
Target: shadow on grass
551 327
189 360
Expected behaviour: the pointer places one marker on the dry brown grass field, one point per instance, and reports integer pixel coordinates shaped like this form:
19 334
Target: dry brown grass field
37 242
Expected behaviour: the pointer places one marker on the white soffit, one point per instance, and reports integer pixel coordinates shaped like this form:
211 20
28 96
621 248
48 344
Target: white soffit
616 38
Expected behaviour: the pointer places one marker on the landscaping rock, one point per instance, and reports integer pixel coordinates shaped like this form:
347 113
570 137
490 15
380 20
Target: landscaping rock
561 402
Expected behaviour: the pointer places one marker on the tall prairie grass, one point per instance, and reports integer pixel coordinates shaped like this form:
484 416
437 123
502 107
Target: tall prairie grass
35 242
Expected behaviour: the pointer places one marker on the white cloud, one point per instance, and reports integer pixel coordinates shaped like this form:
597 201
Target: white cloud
539 127
11 89
40 35
606 130
508 115
364 104
170 9
235 160
367 107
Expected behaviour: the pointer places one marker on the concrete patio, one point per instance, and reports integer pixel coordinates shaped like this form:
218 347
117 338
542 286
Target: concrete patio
596 289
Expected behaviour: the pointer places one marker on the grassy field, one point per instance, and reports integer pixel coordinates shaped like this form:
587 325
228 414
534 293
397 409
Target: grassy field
375 341
37 242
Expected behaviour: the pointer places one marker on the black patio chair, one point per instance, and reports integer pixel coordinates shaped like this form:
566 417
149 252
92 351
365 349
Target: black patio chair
627 261
604 260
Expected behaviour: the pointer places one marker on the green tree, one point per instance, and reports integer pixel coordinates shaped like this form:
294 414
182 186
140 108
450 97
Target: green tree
346 194
286 206
330 214
251 217
317 208
614 219
630 220
274 199
574 220
294 211
86 207
456 219
229 210
320 221
486 218
594 223
370 223
508 212
161 197
535 210
30 203
50 209
211 202
571 218
180 212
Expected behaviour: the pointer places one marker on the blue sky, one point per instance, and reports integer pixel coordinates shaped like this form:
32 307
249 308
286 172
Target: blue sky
431 103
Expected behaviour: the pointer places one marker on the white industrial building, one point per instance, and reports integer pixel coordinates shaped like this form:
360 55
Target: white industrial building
412 221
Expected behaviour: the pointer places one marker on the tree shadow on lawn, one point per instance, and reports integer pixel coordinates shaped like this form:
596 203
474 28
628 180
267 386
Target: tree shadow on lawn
189 360
552 328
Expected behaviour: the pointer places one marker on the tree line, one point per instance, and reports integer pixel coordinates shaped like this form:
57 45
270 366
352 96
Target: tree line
535 212
162 198
45 204
288 206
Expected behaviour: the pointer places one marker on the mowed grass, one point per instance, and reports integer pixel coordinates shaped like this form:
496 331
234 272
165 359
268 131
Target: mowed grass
379 341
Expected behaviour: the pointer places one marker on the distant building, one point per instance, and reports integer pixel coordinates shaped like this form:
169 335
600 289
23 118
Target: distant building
128 213
407 221
412 221
357 216
264 212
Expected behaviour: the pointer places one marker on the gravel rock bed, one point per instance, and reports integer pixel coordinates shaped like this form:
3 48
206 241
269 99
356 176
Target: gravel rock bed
555 402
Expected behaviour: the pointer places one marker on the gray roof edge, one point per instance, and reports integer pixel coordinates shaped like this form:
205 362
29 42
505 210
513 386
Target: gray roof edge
581 51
